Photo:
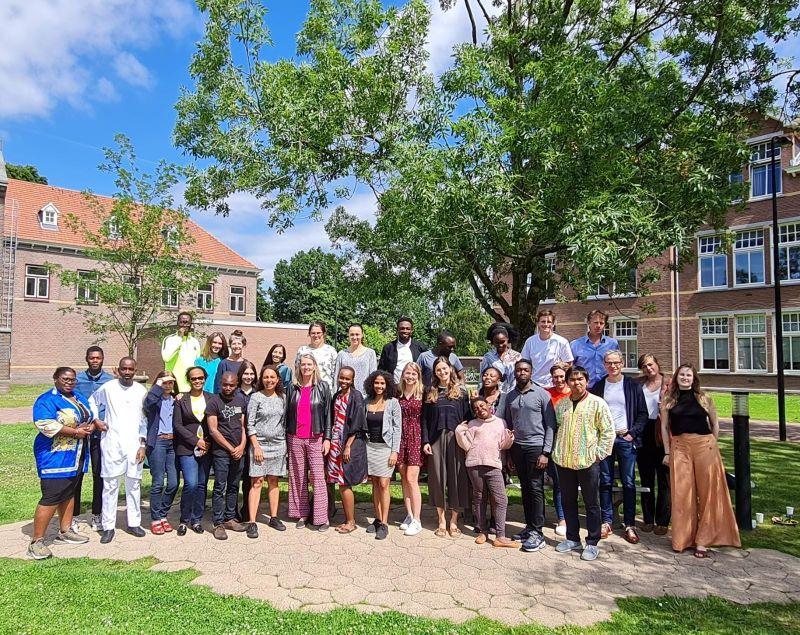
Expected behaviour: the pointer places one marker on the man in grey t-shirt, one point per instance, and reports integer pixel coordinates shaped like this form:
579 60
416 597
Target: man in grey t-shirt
445 345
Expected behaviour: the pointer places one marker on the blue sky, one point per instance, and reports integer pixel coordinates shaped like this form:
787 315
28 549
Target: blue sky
77 73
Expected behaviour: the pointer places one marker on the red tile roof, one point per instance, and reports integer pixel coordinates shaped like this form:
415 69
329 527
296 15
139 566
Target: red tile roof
31 197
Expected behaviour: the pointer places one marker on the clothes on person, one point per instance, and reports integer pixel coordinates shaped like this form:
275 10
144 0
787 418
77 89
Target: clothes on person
375 427
189 424
313 418
86 384
266 420
395 355
230 413
159 410
305 457
384 431
542 354
286 375
556 395
687 416
448 483
211 366
653 474
530 414
427 359
363 364
584 432
325 357
225 366
590 355
504 364
410 452
348 421
179 353
483 441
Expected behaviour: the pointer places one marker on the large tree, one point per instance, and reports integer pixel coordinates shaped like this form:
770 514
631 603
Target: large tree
25 173
598 132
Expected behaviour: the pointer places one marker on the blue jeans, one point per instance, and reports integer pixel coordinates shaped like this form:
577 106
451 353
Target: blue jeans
162 461
195 483
624 453
553 472
224 496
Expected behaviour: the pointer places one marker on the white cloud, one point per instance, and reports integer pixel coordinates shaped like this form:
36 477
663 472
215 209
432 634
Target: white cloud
132 70
449 28
106 90
53 50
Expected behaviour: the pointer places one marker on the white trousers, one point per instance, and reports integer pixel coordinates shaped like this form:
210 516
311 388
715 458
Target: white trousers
133 496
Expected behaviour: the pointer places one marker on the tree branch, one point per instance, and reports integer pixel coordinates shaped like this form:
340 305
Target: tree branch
472 21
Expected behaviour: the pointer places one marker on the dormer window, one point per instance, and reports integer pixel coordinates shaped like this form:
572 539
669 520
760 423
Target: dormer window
48 217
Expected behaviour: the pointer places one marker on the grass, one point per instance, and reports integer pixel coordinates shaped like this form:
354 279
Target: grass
22 395
763 407
105 597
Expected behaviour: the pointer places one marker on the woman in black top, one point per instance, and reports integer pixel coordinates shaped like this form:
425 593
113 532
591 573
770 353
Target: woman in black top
446 407
701 505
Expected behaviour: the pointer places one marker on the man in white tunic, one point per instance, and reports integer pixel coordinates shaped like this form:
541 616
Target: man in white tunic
122 446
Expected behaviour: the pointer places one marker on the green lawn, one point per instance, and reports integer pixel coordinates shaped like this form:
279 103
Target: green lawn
20 395
763 407
104 597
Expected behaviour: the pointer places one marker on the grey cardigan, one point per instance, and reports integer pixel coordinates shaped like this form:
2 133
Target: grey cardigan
392 423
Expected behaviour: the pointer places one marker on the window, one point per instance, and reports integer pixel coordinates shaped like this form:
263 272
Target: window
625 331
713 262
550 283
714 343
748 257
130 290
602 289
205 297
169 298
789 251
37 282
237 299
170 235
48 216
87 287
791 341
761 170
751 342
114 231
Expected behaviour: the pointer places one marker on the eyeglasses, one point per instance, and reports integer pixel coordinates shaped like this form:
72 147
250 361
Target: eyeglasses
613 363
197 378
68 380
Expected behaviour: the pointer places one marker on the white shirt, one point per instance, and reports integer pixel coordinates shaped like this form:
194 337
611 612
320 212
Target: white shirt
326 361
615 398
651 398
126 425
404 356
543 354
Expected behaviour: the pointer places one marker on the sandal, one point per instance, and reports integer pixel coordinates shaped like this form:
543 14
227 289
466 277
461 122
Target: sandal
454 532
701 554
782 520
440 532
346 528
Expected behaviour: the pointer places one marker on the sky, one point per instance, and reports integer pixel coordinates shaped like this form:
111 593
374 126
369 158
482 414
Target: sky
77 73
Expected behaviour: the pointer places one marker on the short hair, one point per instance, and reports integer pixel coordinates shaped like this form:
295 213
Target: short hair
476 399
578 370
186 313
369 384
205 353
443 336
350 368
495 369
191 368
502 327
239 335
359 325
94 349
246 363
545 313
319 324
61 370
125 359
405 319
559 366
607 354
523 360
594 312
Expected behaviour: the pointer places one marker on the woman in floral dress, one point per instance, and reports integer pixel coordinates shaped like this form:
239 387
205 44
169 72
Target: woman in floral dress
409 458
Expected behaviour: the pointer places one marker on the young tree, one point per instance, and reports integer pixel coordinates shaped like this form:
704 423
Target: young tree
598 132
142 248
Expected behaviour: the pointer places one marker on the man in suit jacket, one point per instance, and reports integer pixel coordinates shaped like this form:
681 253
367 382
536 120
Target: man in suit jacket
395 355
626 401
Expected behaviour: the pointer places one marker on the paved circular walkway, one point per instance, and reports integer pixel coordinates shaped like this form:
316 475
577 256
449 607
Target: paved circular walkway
443 577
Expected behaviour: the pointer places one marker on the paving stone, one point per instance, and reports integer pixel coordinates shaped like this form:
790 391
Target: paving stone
311 596
545 615
175 565
454 614
510 617
349 594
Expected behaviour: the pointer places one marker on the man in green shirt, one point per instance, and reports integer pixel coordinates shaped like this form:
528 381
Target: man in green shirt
180 350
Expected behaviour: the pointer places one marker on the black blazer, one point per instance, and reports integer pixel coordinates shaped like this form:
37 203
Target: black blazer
635 406
321 406
355 419
388 360
185 425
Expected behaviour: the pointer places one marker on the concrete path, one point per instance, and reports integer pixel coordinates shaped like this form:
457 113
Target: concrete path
15 415
442 577
763 430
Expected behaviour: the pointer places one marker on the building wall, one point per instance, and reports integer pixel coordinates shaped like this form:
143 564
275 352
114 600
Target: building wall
44 337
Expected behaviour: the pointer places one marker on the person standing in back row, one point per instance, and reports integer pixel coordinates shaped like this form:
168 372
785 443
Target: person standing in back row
323 353
180 350
590 349
445 345
544 348
395 355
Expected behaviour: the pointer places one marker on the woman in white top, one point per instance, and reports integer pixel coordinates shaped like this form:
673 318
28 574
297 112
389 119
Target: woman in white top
650 457
324 354
358 357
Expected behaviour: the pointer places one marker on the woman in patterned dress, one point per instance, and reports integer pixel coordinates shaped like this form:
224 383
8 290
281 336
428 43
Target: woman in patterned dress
410 459
347 457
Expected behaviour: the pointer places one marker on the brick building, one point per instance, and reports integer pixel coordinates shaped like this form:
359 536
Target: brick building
717 309
39 337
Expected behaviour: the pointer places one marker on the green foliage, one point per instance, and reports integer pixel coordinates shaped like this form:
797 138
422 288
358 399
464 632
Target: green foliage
264 309
25 173
376 339
143 252
600 132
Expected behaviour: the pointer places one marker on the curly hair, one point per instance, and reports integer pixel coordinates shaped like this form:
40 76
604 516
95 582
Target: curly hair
369 384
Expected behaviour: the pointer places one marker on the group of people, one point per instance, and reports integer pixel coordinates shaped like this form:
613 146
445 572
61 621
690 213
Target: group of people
337 419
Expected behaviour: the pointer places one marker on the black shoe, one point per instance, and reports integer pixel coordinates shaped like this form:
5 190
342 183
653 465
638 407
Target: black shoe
323 527
136 531
277 524
182 528
106 536
371 529
198 528
301 523
523 535
252 530
381 532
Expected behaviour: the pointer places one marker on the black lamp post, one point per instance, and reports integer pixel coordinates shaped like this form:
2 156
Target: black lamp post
774 143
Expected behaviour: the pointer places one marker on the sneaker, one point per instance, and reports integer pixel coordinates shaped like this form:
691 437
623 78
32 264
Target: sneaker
97 522
182 529
534 543
381 531
38 550
323 527
413 528
136 531
301 523
252 530
156 528
220 533
566 546
71 538
590 553
561 530
371 529
276 524
234 525
198 528
523 535
409 519
106 536
73 526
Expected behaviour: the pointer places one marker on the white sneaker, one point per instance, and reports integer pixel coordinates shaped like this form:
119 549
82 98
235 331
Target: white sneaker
561 530
407 522
414 527
74 525
97 522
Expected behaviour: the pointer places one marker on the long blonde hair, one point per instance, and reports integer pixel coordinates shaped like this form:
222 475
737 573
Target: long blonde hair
453 388
419 387
298 378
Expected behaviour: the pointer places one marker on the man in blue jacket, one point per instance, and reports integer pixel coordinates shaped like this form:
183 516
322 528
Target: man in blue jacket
625 398
88 381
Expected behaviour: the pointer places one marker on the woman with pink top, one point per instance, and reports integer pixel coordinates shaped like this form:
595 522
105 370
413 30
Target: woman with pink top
483 439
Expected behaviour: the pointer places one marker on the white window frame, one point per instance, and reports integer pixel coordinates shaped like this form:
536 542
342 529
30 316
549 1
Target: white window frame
134 281
760 157
37 278
205 298
602 292
114 232
85 295
550 269
707 247
169 298
788 238
237 298
48 217
747 242
625 332
715 335
747 333
791 338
